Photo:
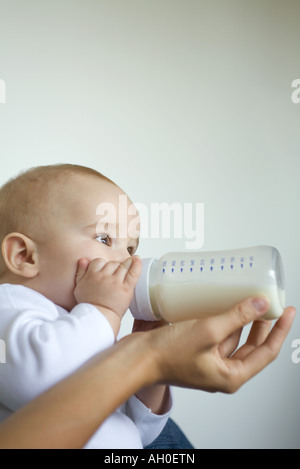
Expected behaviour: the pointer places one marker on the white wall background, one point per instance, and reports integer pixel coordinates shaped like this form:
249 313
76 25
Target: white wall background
175 100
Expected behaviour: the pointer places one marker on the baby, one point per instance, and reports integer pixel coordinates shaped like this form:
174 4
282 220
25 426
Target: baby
67 276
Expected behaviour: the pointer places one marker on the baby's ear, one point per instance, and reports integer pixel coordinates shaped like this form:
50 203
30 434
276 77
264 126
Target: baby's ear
20 255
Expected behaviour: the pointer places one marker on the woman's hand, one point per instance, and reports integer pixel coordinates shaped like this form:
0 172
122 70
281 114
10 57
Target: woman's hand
200 353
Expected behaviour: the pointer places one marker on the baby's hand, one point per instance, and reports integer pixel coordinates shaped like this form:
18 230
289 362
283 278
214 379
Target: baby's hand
108 285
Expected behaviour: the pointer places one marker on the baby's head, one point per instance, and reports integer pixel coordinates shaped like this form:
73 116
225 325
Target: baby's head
52 216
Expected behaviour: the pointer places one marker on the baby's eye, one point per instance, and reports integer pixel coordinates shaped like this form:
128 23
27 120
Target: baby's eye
104 239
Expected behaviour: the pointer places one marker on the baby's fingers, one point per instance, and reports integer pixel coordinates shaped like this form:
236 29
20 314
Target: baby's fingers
81 269
134 271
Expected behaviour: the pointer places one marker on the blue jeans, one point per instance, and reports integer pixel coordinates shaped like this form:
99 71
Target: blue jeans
170 438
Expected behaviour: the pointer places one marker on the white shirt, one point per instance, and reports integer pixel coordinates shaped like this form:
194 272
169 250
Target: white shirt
44 344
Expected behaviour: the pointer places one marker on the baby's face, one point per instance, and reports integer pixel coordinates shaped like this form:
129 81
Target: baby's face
90 223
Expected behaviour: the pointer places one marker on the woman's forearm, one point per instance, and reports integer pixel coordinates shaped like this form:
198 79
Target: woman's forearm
190 354
68 414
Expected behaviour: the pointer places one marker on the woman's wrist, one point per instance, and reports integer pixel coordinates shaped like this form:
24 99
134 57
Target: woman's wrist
142 358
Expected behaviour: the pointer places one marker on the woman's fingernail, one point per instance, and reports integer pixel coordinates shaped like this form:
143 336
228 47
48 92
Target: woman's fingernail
260 304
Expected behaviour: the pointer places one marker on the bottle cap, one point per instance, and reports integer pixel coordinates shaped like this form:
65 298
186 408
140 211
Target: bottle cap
140 306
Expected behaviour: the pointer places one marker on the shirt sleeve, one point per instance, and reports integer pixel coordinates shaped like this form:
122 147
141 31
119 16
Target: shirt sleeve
150 425
43 347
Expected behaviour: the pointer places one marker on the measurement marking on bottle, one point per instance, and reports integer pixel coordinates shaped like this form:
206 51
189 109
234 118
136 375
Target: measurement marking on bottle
242 265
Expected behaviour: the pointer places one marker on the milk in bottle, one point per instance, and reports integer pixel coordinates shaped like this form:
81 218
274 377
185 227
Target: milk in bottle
191 285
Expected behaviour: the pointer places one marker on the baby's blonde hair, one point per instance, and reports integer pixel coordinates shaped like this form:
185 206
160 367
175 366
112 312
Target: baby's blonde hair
26 199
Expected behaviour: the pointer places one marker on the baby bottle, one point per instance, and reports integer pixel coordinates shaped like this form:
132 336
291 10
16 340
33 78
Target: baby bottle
190 285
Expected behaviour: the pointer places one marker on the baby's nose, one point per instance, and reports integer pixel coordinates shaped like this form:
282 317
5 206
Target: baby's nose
121 255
